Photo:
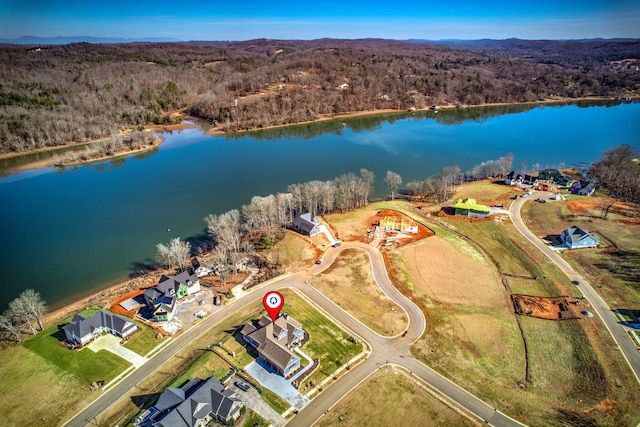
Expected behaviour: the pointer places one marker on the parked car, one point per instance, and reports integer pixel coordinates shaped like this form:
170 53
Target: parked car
242 385
319 261
336 244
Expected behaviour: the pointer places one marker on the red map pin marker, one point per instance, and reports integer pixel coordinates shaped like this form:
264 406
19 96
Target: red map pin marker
273 302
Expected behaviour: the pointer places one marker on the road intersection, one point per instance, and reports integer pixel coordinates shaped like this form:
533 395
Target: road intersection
383 350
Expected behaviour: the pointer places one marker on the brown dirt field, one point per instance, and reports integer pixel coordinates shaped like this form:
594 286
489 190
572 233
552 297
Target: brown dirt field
391 397
451 277
215 283
349 283
296 252
593 206
555 308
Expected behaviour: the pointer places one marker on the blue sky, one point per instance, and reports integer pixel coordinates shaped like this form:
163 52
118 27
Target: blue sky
249 19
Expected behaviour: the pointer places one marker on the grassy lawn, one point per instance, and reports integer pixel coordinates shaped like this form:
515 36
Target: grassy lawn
251 419
564 360
349 283
84 363
326 342
295 253
391 397
56 377
206 365
145 340
567 361
26 377
487 192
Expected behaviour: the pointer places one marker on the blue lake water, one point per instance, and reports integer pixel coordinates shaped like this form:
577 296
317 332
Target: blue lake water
67 233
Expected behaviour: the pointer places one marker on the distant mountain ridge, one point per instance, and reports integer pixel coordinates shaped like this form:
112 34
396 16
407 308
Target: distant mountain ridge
35 40
486 43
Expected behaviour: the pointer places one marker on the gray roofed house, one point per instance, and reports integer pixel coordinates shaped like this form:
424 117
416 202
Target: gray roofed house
83 330
274 342
512 178
194 405
575 237
587 190
584 187
162 298
307 224
530 180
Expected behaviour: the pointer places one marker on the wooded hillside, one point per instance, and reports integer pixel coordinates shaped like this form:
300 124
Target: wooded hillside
51 95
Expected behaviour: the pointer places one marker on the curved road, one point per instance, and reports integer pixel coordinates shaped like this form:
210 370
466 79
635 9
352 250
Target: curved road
626 346
384 350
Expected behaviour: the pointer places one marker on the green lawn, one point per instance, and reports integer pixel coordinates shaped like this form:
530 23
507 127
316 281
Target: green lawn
145 340
326 342
84 364
251 419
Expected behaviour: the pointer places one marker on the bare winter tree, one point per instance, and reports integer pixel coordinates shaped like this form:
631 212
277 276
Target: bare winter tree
448 178
175 253
225 229
368 178
618 171
8 324
35 306
19 313
393 181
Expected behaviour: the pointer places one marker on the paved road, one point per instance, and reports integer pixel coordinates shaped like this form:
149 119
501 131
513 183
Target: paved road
384 350
626 346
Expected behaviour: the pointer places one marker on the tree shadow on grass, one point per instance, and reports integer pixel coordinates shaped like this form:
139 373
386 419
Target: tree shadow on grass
568 418
623 264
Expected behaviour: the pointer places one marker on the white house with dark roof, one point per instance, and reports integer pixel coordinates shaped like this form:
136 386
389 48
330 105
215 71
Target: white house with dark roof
200 267
195 404
83 330
307 224
275 341
575 237
584 187
162 298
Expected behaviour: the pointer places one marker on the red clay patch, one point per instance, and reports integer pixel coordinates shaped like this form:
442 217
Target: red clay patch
551 308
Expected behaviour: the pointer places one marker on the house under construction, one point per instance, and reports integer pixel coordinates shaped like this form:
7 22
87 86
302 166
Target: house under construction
399 223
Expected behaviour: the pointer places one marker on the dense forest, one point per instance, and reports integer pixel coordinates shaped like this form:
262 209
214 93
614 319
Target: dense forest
52 95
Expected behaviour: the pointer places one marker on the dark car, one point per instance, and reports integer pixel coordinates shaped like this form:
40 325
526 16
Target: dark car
575 282
242 385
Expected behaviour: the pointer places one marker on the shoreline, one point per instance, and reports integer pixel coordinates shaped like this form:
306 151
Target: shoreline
217 130
108 291
46 163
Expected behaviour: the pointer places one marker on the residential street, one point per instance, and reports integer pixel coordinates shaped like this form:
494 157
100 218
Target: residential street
384 350
600 307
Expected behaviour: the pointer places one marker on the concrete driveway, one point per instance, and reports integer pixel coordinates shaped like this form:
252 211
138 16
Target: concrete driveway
111 343
253 399
270 379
